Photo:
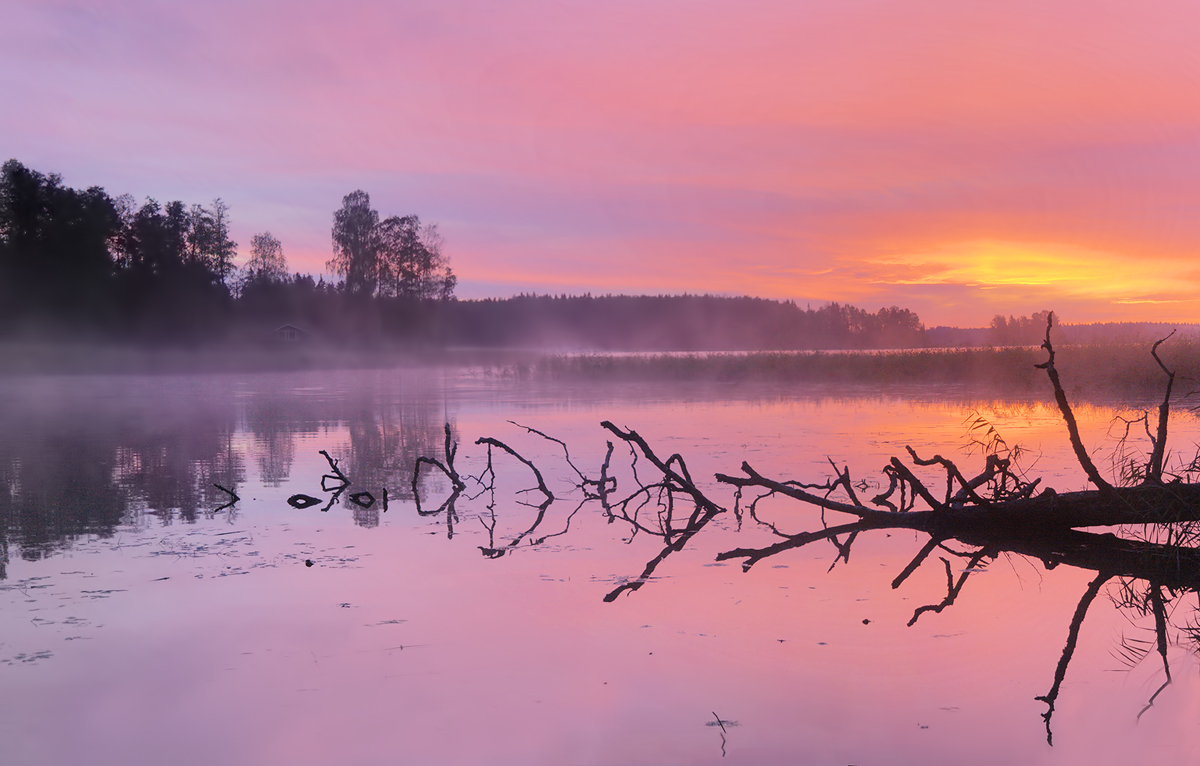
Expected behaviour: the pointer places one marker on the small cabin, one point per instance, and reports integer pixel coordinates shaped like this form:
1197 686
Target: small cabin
289 334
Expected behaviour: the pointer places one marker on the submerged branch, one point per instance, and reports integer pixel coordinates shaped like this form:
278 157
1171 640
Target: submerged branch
1060 671
754 555
676 479
233 498
541 483
952 588
337 475
451 473
1160 634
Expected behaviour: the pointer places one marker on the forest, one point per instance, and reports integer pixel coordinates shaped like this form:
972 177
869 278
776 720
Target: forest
81 265
86 265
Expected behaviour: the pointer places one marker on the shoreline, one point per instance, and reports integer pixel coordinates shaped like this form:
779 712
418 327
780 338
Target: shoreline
1098 370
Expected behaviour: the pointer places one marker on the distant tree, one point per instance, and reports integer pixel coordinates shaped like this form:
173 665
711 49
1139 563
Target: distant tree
55 260
85 261
208 241
173 266
998 331
1017 331
266 258
410 260
153 239
397 257
895 327
356 244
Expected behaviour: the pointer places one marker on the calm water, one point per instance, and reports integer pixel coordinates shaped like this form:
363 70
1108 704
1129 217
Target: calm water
142 622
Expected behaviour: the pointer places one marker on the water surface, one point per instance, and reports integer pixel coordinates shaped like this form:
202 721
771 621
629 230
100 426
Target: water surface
144 620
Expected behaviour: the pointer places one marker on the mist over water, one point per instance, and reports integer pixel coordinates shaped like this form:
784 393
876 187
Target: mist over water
142 614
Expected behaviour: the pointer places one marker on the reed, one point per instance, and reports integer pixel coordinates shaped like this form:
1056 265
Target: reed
1087 370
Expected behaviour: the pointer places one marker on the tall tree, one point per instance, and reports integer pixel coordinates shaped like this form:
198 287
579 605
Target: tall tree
208 242
356 244
153 241
267 261
396 257
411 264
55 260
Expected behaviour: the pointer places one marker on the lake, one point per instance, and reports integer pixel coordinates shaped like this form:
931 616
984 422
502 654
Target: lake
145 619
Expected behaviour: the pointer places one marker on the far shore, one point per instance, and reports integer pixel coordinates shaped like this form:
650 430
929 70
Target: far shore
107 358
1088 371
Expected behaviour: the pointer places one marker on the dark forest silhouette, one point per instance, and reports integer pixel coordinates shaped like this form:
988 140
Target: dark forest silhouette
680 322
84 265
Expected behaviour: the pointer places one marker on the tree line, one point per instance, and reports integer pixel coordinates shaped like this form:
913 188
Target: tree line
1028 331
84 261
85 264
675 323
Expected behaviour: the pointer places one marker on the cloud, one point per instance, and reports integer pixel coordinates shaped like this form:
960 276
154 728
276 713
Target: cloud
952 155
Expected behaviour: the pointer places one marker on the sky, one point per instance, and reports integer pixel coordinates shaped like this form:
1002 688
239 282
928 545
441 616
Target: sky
960 159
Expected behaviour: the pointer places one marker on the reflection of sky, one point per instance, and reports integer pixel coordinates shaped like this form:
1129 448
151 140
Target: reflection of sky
875 153
245 656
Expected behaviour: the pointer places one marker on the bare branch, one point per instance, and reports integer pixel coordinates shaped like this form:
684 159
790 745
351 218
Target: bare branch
794 490
541 483
233 498
683 481
1060 396
1155 470
1160 633
1060 672
566 452
966 488
337 474
952 588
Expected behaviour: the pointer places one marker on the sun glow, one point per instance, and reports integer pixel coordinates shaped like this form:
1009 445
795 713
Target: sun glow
1076 270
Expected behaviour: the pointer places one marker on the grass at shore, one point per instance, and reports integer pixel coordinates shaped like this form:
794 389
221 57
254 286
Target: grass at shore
1087 370
1091 371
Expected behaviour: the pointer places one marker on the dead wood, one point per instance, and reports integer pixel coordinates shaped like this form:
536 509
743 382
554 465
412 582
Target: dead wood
1060 672
233 498
537 474
998 511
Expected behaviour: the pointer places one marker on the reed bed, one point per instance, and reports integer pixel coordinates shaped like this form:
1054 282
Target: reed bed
1086 370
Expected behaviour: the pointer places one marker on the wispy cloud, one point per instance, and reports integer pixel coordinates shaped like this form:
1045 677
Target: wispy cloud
959 158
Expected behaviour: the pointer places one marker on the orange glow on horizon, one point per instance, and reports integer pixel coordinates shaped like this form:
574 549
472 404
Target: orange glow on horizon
958 159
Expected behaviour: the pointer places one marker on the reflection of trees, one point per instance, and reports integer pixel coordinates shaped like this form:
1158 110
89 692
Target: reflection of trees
386 438
82 456
277 451
387 435
169 474
87 456
1150 563
275 418
54 486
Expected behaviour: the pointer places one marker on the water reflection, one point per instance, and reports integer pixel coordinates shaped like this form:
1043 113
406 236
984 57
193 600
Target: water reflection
1154 559
59 484
645 515
86 455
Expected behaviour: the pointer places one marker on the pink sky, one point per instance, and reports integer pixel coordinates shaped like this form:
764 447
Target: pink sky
959 159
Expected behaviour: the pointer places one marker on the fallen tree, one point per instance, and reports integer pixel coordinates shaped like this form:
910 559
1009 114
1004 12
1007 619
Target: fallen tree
1150 559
